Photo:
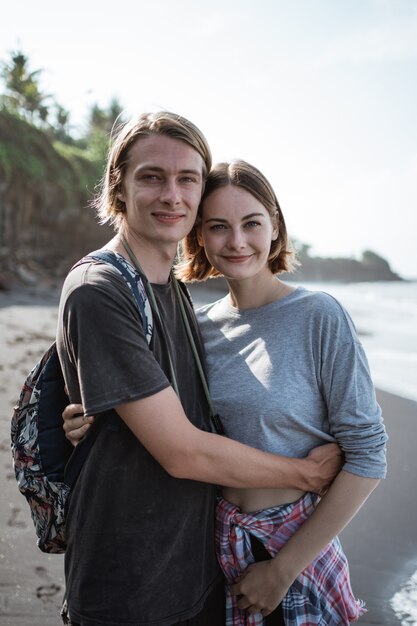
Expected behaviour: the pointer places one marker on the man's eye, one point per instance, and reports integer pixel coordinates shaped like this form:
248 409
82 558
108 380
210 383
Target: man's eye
149 177
188 179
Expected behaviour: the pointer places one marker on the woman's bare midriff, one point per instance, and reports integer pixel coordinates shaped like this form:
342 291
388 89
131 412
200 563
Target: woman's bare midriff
250 500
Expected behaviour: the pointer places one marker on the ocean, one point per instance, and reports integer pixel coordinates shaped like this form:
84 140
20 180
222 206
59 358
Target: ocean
385 316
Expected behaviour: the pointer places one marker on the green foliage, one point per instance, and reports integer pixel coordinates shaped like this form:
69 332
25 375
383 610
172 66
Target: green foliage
87 169
28 155
22 95
24 150
100 126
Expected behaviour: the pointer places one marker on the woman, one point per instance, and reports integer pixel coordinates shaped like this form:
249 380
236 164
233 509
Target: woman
286 373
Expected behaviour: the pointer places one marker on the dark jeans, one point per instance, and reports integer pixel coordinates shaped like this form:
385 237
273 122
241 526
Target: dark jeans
212 614
276 618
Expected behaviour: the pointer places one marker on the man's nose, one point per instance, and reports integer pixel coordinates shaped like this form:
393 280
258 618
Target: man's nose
170 193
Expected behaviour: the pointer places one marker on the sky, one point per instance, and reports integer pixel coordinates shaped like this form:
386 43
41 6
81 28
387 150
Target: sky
321 95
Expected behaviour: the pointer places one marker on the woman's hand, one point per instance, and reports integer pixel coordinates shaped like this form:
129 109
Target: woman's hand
261 587
75 424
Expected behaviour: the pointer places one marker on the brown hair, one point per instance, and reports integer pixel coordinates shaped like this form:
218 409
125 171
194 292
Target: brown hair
107 203
194 264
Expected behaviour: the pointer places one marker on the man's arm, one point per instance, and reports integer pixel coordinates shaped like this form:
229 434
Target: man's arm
263 585
184 451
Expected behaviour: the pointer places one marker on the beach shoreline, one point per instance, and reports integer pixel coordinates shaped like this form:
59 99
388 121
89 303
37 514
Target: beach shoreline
380 542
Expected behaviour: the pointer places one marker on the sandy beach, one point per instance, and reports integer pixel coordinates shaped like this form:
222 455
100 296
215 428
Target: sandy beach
380 542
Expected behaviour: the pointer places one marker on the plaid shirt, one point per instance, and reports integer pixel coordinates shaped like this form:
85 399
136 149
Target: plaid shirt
320 596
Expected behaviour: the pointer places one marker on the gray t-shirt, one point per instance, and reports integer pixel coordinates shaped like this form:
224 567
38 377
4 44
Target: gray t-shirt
140 543
293 375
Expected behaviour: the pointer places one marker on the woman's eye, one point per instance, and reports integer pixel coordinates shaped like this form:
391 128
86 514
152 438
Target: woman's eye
218 227
252 224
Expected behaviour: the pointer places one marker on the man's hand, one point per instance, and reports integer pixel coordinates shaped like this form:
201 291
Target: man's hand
323 465
75 424
261 587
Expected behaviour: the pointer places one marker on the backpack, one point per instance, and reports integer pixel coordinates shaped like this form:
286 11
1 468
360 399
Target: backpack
46 464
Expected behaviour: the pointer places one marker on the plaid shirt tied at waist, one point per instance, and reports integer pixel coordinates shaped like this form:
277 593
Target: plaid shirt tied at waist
320 596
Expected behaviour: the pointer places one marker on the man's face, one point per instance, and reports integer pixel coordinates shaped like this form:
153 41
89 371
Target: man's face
162 189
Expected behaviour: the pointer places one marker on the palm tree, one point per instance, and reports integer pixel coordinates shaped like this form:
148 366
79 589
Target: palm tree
23 95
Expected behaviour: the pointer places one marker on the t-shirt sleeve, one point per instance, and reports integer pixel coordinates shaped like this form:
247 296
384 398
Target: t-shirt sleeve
354 415
103 337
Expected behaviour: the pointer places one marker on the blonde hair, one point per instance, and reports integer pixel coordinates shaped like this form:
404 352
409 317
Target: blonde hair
194 265
110 208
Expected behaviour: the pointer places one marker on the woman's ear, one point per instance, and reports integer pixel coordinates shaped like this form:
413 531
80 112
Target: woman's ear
119 192
199 236
275 231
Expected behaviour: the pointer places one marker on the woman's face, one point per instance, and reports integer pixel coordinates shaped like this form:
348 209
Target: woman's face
236 232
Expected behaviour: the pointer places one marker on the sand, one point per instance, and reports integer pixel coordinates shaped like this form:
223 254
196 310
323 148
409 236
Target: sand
381 542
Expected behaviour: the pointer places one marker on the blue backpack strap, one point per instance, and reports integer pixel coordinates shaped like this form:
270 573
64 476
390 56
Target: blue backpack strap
109 257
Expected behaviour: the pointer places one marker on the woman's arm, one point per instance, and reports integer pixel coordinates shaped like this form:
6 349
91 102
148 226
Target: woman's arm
184 451
263 585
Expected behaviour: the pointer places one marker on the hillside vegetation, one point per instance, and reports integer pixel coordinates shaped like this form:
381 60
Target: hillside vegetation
45 190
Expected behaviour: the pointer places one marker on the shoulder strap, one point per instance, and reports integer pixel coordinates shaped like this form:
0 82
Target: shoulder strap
182 292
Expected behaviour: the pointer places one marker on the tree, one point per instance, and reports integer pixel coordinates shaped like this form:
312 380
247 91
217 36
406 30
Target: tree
22 95
60 125
100 126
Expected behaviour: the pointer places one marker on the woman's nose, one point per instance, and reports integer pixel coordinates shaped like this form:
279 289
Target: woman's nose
236 239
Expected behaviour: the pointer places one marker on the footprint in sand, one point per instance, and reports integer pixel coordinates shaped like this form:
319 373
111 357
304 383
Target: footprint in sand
42 572
13 520
47 592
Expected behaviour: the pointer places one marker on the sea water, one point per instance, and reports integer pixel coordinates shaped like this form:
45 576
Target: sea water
385 316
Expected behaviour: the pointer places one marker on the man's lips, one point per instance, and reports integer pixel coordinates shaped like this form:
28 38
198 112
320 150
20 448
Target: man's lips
169 218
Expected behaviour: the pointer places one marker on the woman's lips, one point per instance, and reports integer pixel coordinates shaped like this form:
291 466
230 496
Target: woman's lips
237 259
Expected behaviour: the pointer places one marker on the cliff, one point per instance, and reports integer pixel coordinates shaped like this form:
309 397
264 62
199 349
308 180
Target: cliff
45 189
371 267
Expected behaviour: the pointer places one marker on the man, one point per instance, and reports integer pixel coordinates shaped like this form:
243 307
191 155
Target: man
140 525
